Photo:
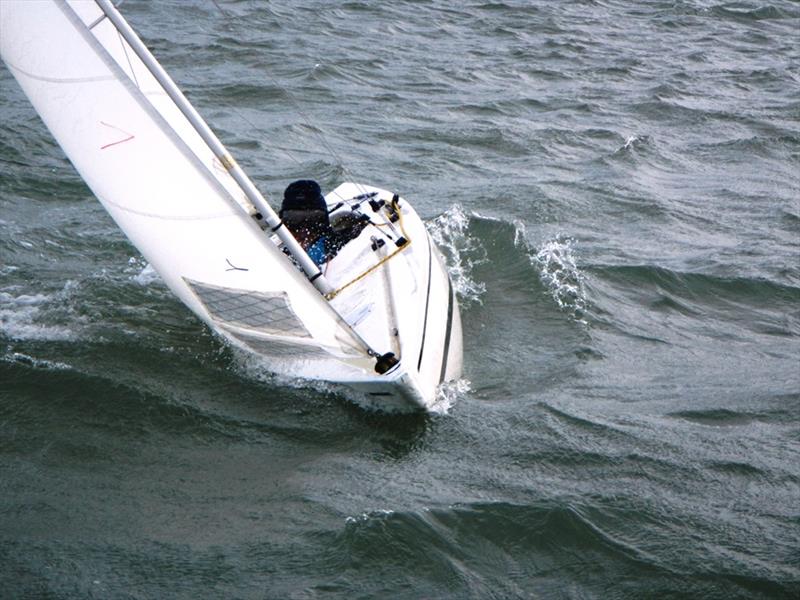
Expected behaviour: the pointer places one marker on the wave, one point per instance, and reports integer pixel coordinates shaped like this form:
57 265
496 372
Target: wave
102 305
462 250
502 549
36 316
657 304
724 417
737 12
700 287
767 146
480 250
139 393
559 272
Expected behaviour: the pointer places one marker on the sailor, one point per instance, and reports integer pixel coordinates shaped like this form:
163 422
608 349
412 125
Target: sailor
305 213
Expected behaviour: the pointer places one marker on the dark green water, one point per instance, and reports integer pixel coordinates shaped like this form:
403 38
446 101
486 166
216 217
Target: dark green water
617 187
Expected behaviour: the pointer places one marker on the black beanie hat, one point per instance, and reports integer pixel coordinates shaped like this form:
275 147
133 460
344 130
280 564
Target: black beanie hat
304 194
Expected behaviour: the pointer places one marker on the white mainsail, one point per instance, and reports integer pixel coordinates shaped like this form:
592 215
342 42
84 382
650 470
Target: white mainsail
159 180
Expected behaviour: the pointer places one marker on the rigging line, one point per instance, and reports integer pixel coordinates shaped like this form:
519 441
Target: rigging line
128 58
320 136
254 127
219 8
318 133
286 151
240 114
304 117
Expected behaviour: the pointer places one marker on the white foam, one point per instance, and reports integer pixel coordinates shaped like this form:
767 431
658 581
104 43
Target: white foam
21 317
254 366
142 272
23 299
519 233
634 141
148 276
630 141
447 394
462 251
559 272
373 514
39 363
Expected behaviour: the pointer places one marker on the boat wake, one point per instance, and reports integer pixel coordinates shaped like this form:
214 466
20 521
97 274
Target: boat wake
143 272
558 271
462 251
251 366
471 242
448 393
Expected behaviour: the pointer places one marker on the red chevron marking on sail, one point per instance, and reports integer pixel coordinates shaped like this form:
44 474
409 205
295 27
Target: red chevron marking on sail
127 139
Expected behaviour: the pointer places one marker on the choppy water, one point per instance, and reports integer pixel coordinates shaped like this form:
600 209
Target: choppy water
617 187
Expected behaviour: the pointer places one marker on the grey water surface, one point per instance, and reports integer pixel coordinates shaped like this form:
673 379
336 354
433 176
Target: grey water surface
616 186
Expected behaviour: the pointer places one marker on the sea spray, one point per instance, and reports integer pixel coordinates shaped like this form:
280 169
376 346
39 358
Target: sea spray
253 366
367 517
447 394
143 272
558 271
37 363
37 316
450 232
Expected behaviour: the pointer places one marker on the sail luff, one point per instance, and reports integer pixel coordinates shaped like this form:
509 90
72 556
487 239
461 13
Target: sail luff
310 268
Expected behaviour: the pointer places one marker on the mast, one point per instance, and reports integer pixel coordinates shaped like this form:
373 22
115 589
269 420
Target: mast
311 270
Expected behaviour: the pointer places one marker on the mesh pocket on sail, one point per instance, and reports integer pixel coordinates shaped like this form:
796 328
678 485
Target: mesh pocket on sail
268 312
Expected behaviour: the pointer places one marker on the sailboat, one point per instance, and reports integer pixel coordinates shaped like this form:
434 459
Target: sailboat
380 317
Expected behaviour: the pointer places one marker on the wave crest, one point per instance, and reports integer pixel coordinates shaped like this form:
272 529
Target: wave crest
558 271
463 252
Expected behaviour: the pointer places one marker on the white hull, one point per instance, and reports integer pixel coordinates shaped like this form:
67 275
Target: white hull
410 294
